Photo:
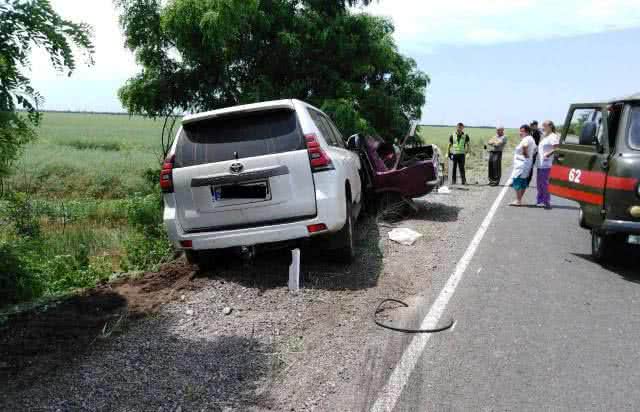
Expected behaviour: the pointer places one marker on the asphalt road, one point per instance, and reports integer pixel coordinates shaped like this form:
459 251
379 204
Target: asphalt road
539 325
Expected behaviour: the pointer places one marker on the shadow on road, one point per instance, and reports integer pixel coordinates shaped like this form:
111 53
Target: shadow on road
148 368
106 349
436 212
55 333
565 207
559 207
625 263
319 269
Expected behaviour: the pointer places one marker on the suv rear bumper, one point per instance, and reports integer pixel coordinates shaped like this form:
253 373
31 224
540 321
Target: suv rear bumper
244 237
331 211
621 226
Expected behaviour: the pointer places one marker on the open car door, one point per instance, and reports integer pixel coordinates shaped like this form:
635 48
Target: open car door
580 166
413 126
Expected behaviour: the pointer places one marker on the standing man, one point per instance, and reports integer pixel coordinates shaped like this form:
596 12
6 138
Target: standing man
536 134
458 148
496 146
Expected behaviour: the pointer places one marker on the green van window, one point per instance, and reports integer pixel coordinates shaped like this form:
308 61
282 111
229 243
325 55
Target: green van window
634 129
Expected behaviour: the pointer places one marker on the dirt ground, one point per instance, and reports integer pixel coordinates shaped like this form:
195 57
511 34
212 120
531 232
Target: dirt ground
233 338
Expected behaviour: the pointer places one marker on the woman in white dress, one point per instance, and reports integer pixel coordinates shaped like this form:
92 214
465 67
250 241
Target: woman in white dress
522 163
547 147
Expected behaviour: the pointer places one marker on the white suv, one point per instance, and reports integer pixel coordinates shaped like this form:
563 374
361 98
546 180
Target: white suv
260 173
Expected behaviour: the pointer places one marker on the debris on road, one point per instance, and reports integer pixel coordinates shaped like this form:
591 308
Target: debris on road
444 190
227 311
404 236
380 308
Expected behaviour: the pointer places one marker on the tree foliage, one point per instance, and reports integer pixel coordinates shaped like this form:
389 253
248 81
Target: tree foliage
201 55
25 24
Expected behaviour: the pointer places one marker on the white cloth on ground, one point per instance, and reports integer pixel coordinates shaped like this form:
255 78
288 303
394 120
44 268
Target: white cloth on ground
404 236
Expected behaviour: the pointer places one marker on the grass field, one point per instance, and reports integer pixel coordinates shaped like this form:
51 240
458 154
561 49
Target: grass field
476 166
89 155
84 181
100 156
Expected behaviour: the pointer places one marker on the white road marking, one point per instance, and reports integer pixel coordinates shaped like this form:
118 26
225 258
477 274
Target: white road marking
400 376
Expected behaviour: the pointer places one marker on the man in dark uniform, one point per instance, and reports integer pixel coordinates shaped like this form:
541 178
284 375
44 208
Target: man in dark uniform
536 134
458 148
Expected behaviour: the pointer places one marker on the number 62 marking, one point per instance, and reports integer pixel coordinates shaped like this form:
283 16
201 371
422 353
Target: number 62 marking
575 175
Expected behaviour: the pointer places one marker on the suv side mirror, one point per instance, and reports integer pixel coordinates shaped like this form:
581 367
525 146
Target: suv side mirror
352 142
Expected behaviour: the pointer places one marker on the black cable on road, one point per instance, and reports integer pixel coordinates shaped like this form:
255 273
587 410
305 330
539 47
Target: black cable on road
405 330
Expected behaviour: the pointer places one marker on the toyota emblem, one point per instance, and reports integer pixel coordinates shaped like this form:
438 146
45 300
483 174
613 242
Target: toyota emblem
236 168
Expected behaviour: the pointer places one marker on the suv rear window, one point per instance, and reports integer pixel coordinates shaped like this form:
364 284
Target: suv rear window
248 135
634 128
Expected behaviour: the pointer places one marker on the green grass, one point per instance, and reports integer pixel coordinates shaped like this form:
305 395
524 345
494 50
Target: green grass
80 176
101 156
89 155
84 145
132 132
82 210
476 166
99 240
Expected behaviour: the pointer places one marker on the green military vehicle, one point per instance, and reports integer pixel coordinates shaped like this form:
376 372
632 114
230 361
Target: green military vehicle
598 165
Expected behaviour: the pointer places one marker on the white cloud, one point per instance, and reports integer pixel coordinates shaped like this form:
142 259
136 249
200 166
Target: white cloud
420 24
487 36
89 87
112 60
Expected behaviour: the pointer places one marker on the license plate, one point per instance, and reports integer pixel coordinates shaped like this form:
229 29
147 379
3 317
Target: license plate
634 239
248 191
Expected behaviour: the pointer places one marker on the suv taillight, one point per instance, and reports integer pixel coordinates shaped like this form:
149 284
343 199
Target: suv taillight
318 157
166 175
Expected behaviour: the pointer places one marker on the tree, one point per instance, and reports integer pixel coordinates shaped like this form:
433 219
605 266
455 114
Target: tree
25 24
201 55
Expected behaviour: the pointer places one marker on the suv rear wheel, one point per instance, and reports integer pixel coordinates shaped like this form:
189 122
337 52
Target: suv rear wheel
346 252
204 259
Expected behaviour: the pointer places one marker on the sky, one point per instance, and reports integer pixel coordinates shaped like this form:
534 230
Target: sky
490 61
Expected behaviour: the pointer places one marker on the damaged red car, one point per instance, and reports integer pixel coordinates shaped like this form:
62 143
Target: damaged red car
406 170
